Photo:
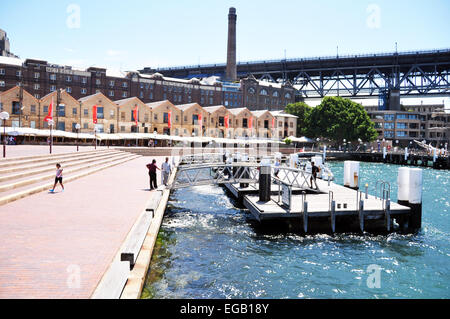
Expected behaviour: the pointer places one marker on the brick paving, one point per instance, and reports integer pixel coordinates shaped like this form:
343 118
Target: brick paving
59 245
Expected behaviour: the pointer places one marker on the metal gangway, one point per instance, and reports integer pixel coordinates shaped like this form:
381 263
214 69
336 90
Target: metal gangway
213 172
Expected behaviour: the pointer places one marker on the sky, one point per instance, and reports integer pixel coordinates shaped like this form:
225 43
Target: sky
129 35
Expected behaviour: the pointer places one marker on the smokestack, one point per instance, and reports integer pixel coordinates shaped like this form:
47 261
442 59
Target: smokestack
231 72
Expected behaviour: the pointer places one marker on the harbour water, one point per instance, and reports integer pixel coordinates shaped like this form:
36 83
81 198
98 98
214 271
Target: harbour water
208 248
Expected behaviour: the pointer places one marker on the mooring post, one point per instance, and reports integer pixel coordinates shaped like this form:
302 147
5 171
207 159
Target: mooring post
351 174
388 215
265 176
367 191
333 216
410 182
361 215
305 217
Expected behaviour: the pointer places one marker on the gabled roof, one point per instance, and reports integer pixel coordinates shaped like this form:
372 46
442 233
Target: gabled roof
18 88
283 114
258 114
62 92
128 100
212 109
154 105
238 110
184 107
96 95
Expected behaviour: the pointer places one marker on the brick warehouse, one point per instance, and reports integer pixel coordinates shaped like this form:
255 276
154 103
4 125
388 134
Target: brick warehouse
40 78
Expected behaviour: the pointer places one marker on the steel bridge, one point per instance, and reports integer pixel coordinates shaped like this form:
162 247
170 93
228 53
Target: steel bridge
410 73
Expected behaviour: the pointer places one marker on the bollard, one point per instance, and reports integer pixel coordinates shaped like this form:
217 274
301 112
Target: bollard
367 191
265 177
351 174
410 182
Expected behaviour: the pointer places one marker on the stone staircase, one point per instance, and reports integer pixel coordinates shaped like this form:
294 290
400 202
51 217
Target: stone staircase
23 176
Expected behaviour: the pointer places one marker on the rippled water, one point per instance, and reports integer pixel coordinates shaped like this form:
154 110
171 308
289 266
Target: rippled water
207 248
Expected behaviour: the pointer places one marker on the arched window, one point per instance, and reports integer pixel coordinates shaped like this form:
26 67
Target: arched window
287 96
251 90
263 92
275 94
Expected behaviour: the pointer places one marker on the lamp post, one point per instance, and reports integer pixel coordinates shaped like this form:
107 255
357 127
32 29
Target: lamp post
77 127
95 135
4 116
345 145
50 123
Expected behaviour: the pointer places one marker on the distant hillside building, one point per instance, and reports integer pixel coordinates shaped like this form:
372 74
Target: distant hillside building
4 45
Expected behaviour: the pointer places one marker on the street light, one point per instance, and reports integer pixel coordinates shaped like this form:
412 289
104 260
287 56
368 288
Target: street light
95 135
50 123
77 127
4 116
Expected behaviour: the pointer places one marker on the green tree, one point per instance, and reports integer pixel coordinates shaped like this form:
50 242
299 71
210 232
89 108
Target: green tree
303 112
337 118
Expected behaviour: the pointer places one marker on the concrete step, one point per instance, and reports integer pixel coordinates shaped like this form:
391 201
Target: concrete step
24 192
37 159
50 176
19 171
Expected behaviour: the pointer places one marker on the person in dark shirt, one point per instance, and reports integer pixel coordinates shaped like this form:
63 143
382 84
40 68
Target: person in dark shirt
314 171
152 173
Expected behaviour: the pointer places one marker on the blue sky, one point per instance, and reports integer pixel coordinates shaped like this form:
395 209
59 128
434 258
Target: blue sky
128 35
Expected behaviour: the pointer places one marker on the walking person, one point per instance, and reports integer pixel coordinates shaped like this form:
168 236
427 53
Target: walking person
166 170
152 173
314 171
58 178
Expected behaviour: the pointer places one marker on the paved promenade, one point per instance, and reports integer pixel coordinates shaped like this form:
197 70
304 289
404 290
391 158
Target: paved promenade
36 150
59 245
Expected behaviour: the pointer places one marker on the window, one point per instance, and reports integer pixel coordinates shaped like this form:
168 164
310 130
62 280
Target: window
33 109
83 91
124 94
86 112
18 73
402 134
122 116
287 96
150 96
98 82
37 96
52 77
132 116
68 79
275 94
402 126
122 128
84 80
111 114
125 84
15 108
37 86
97 91
100 114
2 71
389 117
166 118
388 133
111 83
37 75
244 123
155 117
221 121
45 110
74 111
69 90
85 126
2 83
111 93
33 124
52 88
263 92
61 110
251 90
61 126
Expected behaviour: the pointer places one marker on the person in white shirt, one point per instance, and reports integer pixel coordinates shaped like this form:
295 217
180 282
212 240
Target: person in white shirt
166 170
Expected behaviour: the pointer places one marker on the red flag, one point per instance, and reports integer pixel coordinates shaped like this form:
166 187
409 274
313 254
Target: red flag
94 114
200 120
170 119
135 115
49 117
273 123
250 122
226 121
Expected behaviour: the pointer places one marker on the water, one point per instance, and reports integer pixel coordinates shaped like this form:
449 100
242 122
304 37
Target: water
209 249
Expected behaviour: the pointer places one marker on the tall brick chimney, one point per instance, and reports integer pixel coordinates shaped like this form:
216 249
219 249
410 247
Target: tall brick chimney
231 72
